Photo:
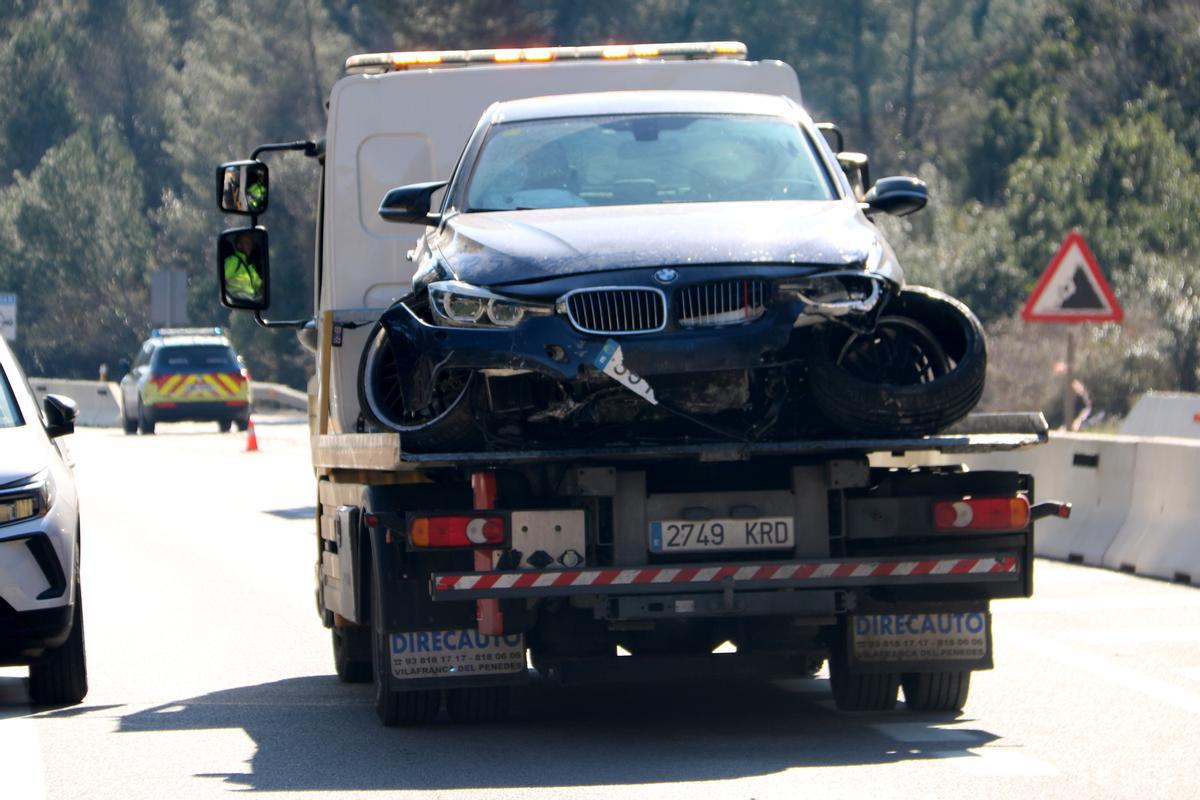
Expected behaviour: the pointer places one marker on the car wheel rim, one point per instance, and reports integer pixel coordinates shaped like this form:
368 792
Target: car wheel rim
386 400
899 352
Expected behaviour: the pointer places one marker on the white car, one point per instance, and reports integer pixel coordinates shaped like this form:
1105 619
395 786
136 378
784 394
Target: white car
41 607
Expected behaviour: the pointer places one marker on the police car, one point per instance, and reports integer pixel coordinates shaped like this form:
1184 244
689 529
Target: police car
41 606
186 374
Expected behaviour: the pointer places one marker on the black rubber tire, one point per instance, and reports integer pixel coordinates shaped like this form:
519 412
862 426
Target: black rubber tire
397 707
352 653
130 425
916 404
453 429
145 421
242 424
862 691
59 677
478 704
936 691
224 425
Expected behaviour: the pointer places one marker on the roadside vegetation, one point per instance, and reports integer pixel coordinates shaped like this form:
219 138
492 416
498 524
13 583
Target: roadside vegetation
1028 118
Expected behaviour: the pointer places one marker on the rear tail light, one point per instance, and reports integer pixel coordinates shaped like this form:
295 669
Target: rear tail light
457 530
981 514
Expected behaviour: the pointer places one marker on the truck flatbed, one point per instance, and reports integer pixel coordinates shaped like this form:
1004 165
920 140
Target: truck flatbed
977 433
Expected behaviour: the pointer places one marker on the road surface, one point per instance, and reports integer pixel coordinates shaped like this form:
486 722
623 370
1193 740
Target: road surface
210 674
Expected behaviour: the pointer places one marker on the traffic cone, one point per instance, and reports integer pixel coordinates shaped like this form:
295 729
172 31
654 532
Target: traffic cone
251 439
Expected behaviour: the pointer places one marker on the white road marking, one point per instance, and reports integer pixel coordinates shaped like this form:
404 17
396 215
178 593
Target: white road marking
1192 673
21 759
1140 635
997 762
1131 679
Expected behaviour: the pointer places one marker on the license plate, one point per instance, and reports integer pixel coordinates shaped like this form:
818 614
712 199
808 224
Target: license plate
442 654
693 536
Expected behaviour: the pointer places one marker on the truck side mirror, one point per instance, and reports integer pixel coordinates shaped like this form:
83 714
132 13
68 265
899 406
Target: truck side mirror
896 196
60 412
858 170
410 203
242 187
829 129
243 268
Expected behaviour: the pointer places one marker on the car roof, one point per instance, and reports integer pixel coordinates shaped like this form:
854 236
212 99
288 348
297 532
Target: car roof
176 341
657 101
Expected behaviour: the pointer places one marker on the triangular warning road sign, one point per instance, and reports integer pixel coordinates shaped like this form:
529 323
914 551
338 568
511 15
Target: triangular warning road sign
1073 289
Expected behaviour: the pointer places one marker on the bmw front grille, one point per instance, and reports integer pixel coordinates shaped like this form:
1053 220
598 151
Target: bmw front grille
616 309
728 302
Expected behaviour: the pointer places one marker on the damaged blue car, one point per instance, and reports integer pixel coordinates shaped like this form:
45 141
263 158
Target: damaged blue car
650 266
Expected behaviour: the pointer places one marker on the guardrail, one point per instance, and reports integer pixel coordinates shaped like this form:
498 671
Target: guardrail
99 402
279 394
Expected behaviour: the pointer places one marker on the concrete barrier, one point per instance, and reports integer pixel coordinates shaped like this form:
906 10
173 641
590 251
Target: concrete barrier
1161 534
1164 414
98 402
1094 473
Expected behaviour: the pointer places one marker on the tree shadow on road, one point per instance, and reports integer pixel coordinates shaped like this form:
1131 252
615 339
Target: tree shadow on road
313 733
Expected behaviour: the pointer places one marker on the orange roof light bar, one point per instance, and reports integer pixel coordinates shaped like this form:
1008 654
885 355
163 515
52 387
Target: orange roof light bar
389 62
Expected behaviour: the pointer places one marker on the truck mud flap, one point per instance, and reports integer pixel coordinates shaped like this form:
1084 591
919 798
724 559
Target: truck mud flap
954 637
824 573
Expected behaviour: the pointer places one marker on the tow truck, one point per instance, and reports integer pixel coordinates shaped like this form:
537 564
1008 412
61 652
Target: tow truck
446 578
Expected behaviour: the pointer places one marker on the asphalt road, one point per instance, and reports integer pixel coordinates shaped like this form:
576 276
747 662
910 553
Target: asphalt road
211 674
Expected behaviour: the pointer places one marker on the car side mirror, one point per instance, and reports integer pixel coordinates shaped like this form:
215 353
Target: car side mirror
411 203
60 413
897 196
243 268
858 170
242 187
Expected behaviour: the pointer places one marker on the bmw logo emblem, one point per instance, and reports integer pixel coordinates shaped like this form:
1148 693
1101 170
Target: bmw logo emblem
667 275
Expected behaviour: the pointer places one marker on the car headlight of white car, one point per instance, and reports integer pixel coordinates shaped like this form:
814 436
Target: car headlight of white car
457 303
27 501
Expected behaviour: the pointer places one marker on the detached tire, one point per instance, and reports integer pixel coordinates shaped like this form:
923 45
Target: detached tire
922 369
59 677
936 691
447 424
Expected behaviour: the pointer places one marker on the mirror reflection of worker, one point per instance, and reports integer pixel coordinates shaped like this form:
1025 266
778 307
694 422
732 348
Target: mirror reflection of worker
256 196
242 280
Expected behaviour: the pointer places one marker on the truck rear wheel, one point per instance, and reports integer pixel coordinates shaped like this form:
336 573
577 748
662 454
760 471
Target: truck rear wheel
862 691
352 653
478 704
936 691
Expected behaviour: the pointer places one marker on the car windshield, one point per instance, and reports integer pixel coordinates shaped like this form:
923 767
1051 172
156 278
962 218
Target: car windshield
196 357
644 159
10 415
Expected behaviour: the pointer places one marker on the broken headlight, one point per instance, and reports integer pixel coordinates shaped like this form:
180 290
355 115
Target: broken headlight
457 303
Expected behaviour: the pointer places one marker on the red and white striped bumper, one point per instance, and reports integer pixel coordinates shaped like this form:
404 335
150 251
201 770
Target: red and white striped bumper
825 573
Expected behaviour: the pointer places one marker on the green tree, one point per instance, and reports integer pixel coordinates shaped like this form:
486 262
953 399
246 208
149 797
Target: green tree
77 249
